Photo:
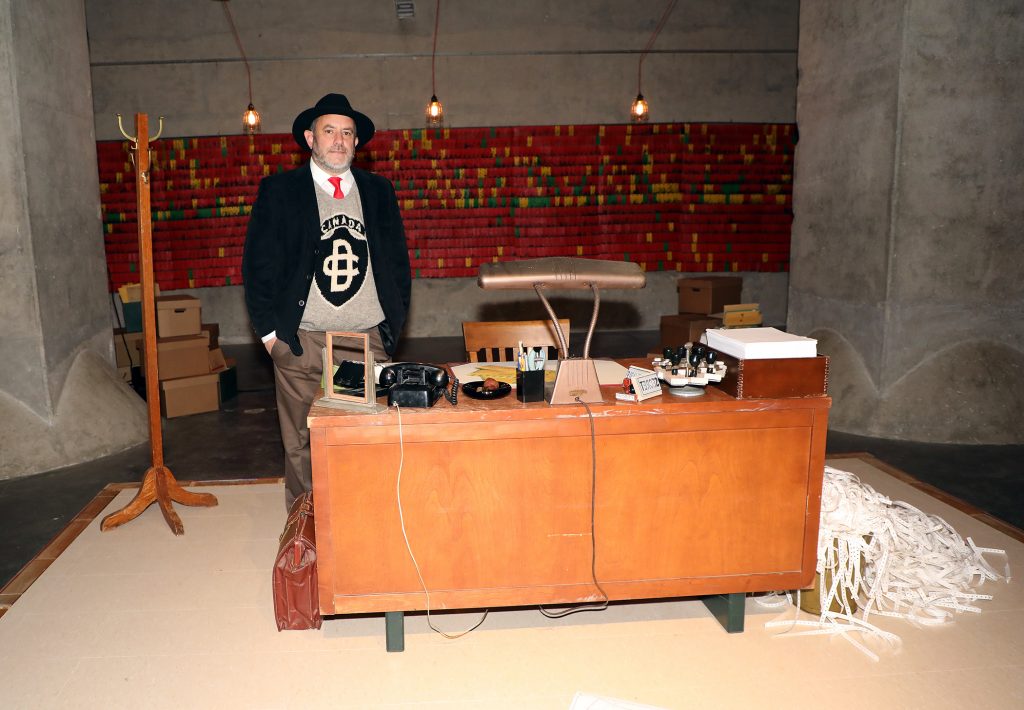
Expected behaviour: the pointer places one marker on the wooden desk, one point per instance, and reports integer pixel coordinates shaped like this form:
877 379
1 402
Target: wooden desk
695 496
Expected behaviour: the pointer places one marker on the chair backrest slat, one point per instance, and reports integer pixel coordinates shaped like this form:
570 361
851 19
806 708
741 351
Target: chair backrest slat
497 341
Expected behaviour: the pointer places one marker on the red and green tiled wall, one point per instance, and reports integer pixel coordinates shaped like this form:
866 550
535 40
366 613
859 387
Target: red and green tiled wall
672 196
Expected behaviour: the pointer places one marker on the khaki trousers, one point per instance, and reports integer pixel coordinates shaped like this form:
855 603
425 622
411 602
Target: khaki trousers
297 380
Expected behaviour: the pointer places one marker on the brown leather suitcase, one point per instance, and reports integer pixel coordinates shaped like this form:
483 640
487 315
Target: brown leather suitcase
296 598
775 378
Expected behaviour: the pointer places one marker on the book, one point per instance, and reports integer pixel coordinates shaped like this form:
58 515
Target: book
759 343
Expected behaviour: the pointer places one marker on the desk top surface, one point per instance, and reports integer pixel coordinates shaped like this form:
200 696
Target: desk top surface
511 409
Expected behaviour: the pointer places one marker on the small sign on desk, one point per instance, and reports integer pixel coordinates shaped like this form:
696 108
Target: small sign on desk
643 384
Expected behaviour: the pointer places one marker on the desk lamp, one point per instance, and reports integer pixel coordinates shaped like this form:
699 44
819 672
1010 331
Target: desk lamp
576 378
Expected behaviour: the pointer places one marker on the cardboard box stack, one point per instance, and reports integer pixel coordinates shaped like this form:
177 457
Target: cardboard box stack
702 302
194 374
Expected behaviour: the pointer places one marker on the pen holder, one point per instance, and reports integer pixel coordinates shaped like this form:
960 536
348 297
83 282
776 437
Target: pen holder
530 385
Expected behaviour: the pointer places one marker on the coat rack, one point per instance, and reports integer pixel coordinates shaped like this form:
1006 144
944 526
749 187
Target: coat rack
158 484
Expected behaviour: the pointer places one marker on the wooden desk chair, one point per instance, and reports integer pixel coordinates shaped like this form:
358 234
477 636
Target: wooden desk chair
497 341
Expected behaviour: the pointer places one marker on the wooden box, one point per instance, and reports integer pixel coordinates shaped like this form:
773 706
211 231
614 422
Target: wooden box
775 378
710 294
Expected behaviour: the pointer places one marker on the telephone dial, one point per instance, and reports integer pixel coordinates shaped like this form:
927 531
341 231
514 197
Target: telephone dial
411 384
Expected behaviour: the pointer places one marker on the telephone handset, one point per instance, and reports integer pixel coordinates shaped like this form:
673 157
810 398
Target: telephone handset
411 384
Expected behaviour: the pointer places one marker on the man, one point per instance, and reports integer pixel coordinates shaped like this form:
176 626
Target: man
325 250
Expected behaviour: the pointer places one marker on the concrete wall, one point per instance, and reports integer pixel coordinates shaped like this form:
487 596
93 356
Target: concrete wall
906 242
440 305
498 63
60 400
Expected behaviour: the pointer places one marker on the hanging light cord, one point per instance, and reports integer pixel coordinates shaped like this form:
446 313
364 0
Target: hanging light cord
433 54
238 41
650 43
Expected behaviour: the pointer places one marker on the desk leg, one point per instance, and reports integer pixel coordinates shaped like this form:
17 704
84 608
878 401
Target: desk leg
728 609
394 629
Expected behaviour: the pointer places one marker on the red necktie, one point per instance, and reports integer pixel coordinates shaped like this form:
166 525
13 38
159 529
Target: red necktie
336 181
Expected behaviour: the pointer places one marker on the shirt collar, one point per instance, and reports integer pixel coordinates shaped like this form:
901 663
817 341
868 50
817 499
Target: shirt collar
320 178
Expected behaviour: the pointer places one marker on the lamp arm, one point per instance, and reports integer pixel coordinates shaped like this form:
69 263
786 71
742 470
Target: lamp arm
562 345
593 321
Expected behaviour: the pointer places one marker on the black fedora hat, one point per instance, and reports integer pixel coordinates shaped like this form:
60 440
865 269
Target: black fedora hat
337 104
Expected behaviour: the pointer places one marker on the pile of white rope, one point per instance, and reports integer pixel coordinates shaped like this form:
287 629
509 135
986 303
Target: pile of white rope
882 557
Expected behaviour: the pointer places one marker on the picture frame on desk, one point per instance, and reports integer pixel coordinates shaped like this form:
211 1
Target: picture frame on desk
332 397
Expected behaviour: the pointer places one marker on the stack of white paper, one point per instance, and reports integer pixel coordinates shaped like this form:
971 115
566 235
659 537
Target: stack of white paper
759 343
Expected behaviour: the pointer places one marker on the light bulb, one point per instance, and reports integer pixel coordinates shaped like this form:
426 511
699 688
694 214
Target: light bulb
639 111
435 112
251 120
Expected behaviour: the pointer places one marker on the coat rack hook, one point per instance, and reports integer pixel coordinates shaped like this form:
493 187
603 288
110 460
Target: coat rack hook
133 139
159 130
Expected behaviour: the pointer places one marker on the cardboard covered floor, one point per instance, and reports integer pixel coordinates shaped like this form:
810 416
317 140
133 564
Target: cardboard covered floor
136 617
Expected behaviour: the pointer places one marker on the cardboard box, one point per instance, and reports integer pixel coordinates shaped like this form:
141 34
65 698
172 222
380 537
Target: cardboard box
177 315
132 316
775 378
131 293
741 315
684 328
710 294
128 348
216 357
183 356
228 382
189 395
214 330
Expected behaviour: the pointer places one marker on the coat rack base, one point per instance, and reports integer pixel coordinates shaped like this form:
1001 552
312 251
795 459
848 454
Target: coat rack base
159 485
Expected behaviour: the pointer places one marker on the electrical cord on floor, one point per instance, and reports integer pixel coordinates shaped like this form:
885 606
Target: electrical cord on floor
408 547
593 534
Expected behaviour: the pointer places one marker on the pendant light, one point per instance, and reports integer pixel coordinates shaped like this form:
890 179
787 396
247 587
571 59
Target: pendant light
640 111
251 121
435 111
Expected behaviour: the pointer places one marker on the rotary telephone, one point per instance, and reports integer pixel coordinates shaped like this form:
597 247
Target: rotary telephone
411 384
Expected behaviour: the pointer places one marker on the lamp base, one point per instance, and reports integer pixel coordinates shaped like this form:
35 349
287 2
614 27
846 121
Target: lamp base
576 379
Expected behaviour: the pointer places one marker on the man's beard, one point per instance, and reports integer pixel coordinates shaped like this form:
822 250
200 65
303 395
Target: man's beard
324 160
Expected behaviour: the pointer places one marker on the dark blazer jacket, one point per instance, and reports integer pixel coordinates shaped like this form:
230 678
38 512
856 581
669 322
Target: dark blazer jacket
282 248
